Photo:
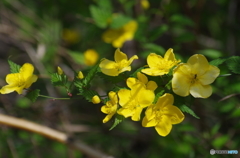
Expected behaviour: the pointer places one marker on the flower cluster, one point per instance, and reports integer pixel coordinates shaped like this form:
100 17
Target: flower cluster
192 78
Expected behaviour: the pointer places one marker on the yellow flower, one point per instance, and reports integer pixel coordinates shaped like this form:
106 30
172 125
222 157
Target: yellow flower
120 65
96 99
18 81
90 57
145 4
159 65
119 36
194 77
59 70
133 101
143 80
163 115
111 106
80 75
71 36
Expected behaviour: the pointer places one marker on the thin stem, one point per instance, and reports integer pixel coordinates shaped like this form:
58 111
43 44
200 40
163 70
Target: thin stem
44 96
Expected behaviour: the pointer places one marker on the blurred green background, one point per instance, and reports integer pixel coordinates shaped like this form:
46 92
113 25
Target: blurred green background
56 33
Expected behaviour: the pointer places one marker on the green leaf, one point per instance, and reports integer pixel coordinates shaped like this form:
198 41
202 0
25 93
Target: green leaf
186 109
90 75
77 56
211 53
100 16
181 20
218 61
118 21
233 64
14 68
88 94
159 94
220 141
157 32
118 119
59 80
33 95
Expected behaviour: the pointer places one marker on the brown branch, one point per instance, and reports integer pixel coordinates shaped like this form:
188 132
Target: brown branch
52 134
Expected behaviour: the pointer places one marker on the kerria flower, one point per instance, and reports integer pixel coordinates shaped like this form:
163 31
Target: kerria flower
119 36
90 57
18 81
194 77
163 115
145 4
80 75
133 101
111 106
121 64
142 80
158 65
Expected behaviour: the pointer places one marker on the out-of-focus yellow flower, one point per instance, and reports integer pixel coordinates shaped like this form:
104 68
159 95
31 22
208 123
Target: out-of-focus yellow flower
158 65
70 36
18 81
59 70
163 115
111 106
194 77
145 4
133 101
96 99
90 57
120 65
118 36
80 75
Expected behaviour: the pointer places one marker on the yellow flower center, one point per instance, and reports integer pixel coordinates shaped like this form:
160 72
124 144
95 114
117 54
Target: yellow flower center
20 81
194 78
121 65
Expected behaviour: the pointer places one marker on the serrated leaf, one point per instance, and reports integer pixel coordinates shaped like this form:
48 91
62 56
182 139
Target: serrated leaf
118 21
88 94
90 75
233 64
118 119
100 16
218 61
14 68
33 95
159 94
58 80
186 109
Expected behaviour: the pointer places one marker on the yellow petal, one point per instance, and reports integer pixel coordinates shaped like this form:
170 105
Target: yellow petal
211 74
13 78
132 58
145 97
181 81
80 75
107 118
124 96
105 109
108 67
200 91
169 55
154 71
164 126
26 70
119 56
165 100
149 113
141 77
31 80
123 69
151 85
131 82
8 89
199 64
137 114
149 123
113 97
153 60
125 112
175 114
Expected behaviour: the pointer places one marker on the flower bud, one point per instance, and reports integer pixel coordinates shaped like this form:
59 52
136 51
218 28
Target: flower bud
59 70
96 99
80 75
